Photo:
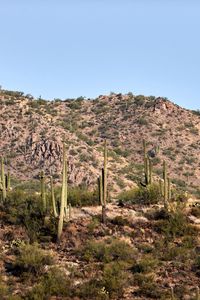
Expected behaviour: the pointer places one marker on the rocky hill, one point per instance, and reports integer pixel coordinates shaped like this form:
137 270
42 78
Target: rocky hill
32 130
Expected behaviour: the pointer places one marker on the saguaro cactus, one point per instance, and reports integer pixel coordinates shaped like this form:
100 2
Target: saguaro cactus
53 198
165 185
8 181
104 180
43 191
63 195
66 188
3 180
169 193
147 166
100 190
150 172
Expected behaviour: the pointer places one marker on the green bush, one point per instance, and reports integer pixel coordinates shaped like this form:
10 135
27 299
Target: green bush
120 221
142 195
31 259
108 251
176 225
108 285
114 279
81 196
55 283
145 265
148 287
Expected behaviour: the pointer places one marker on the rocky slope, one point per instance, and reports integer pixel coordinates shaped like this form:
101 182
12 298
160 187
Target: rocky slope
31 133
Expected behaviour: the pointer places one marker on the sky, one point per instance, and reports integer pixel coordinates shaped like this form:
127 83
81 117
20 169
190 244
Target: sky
71 48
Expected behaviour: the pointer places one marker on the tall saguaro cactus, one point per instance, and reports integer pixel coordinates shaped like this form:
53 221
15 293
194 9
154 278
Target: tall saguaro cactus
63 196
66 188
53 198
100 190
147 166
3 180
165 185
43 191
104 181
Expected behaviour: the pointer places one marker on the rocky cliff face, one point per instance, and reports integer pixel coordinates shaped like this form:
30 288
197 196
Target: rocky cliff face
31 133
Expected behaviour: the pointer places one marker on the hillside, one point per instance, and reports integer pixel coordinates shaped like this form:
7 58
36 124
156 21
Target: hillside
68 240
32 130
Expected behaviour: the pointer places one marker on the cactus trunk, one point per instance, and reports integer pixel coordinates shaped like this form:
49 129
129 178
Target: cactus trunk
169 194
53 199
165 185
63 195
104 180
100 190
3 180
43 191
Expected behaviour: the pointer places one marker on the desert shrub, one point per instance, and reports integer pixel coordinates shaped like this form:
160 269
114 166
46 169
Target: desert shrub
146 264
93 225
81 196
31 259
55 283
120 221
25 209
148 287
139 100
114 279
108 285
93 290
142 121
108 251
176 225
142 195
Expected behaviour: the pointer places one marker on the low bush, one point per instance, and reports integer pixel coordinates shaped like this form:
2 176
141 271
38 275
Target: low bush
108 251
111 284
55 283
81 196
176 225
148 288
120 221
145 265
31 260
142 195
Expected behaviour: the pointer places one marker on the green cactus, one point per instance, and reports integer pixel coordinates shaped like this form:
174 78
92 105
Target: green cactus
63 196
100 190
104 180
150 172
66 188
53 198
43 191
70 211
147 166
8 181
165 185
169 194
161 187
3 180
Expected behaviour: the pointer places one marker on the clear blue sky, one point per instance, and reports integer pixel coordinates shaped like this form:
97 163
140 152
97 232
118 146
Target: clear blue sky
69 48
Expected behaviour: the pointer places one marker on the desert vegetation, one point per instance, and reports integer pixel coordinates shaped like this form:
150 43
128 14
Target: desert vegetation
59 240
